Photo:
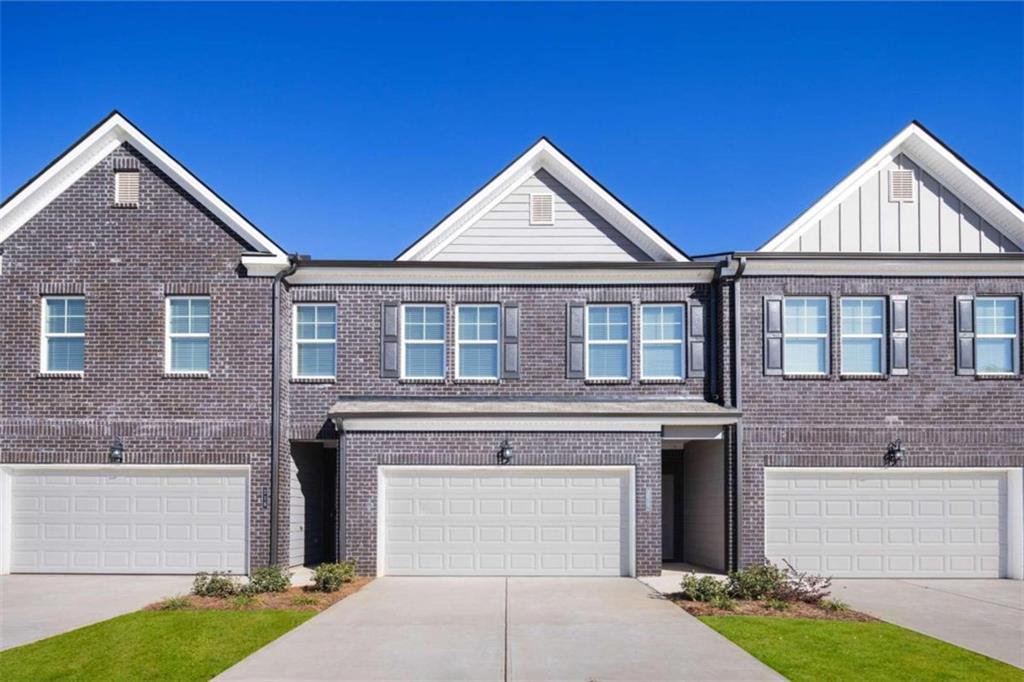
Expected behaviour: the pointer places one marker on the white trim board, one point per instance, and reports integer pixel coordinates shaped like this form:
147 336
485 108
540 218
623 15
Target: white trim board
79 159
494 274
543 155
928 152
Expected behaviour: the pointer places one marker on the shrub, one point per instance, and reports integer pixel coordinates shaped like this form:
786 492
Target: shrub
174 603
704 588
269 579
215 584
834 605
243 601
330 577
776 604
756 582
723 601
803 586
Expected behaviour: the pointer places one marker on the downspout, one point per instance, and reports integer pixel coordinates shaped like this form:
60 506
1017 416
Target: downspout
275 402
737 386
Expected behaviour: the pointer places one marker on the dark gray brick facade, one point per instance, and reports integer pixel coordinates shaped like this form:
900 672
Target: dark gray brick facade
943 419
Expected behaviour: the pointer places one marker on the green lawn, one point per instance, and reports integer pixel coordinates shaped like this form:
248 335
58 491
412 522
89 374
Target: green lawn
848 650
150 645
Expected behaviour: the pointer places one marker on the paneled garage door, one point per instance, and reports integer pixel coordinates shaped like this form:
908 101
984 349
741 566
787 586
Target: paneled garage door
506 521
128 520
889 523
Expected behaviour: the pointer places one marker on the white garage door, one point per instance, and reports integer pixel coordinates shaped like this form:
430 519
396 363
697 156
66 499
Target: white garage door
128 520
889 523
506 521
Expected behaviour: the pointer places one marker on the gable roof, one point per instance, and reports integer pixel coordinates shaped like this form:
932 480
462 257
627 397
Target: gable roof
543 154
93 147
946 166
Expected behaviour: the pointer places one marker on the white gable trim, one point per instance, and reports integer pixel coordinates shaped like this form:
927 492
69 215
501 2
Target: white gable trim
940 162
93 148
544 155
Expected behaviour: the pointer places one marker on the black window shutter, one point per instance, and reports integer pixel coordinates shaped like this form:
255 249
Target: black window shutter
575 339
510 341
695 340
965 335
389 340
773 334
899 335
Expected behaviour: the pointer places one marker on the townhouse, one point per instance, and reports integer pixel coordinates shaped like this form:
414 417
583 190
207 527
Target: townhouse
542 384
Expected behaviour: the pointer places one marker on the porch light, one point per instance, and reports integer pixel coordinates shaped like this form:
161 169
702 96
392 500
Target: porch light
504 452
117 451
894 454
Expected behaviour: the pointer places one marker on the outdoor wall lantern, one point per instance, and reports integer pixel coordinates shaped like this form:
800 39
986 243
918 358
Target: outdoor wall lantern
117 451
895 453
504 452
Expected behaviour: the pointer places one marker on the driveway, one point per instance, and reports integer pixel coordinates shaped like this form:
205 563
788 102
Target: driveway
37 606
502 629
986 616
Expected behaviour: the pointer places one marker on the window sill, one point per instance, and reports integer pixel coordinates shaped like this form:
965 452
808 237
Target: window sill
807 377
61 375
663 381
186 375
863 377
313 380
997 377
477 380
422 381
605 382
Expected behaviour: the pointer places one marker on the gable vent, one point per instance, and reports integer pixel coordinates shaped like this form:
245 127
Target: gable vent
542 209
901 185
126 187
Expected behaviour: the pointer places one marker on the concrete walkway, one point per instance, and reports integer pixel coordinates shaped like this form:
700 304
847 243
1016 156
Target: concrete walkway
38 606
986 616
502 629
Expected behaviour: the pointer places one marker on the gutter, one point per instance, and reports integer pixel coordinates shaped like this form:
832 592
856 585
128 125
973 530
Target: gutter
734 274
275 402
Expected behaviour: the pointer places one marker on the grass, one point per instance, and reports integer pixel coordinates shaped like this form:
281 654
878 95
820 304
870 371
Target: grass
803 649
156 645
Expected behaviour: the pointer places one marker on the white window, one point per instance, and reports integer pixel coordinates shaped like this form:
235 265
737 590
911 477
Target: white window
476 342
996 341
187 349
423 341
314 341
63 342
863 335
805 335
607 354
661 348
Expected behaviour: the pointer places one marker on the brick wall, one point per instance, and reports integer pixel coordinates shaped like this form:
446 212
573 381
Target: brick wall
364 451
124 261
943 419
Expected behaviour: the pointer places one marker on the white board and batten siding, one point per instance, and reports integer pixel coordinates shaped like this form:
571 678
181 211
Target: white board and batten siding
522 521
896 523
866 221
125 519
578 232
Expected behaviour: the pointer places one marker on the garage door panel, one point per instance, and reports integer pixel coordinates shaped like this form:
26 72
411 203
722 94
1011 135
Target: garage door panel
505 522
901 523
157 521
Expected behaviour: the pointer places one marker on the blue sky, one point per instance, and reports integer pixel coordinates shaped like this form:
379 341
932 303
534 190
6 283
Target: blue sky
346 130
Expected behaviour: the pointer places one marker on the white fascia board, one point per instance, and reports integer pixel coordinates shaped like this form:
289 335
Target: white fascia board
543 155
81 158
267 265
652 424
927 152
1004 266
496 275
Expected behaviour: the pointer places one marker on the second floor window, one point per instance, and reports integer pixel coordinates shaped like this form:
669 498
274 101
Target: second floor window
661 345
476 342
315 341
863 335
607 352
63 347
805 335
188 335
996 341
423 341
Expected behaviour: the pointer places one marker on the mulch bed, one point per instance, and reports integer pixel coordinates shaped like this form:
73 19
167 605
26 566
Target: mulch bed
759 608
295 599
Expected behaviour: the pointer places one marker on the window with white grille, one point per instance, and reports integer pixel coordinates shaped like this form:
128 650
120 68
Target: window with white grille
542 209
126 188
901 185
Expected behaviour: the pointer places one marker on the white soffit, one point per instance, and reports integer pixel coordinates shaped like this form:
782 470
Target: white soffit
81 157
544 155
940 162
